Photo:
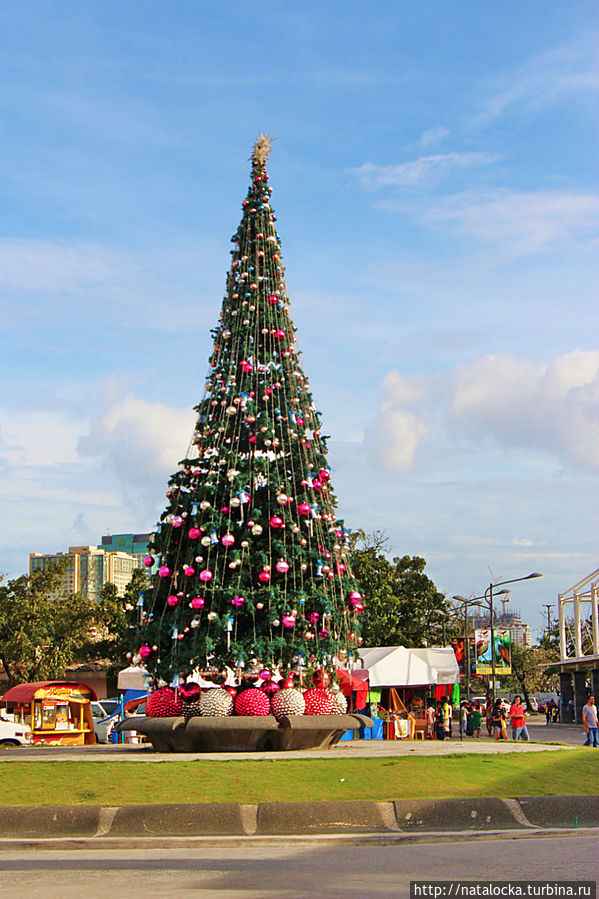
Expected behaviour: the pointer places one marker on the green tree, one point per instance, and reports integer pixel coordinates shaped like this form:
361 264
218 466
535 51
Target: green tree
253 567
40 634
529 674
403 605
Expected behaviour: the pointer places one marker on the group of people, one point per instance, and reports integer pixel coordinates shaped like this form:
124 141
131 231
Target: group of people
439 719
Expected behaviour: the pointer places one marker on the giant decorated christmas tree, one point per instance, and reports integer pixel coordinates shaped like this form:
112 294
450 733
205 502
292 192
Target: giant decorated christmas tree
251 559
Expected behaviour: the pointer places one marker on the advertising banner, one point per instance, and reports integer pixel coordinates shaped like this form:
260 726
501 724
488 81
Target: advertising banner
503 658
459 648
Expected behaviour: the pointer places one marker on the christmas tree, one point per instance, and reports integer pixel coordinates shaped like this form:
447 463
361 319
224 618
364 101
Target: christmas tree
252 560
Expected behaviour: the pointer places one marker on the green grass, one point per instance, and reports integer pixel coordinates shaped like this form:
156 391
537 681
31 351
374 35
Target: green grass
562 772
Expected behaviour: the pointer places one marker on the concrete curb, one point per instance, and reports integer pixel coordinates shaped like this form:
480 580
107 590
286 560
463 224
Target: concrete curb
476 815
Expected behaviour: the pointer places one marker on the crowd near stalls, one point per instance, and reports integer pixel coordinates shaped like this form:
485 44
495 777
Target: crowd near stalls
58 712
397 685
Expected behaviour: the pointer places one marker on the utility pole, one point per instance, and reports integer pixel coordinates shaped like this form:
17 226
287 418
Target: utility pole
548 606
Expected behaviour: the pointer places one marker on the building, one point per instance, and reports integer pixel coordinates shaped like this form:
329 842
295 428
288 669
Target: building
133 544
89 569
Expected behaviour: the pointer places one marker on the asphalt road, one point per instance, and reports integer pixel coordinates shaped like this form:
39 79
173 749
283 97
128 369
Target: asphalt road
286 869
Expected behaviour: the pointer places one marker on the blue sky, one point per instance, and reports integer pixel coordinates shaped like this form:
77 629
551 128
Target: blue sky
435 181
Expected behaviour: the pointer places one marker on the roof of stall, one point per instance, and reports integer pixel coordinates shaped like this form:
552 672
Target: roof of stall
26 692
397 666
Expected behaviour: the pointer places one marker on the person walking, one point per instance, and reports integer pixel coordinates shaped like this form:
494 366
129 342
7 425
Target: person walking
430 721
589 720
498 720
447 708
440 721
463 719
517 717
476 717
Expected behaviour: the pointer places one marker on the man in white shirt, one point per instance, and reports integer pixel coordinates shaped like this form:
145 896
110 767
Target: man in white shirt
589 720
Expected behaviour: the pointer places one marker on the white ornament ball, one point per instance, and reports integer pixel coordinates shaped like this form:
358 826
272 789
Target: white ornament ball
216 703
287 702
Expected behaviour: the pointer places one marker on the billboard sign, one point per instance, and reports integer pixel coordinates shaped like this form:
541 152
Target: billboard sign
503 656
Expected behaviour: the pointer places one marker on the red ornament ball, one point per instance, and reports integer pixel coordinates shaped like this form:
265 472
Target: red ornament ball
252 702
318 702
164 703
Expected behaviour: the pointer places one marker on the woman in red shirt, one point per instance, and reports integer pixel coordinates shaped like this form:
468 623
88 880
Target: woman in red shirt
517 713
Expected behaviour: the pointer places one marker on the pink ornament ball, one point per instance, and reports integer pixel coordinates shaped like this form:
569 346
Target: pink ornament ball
318 702
323 475
164 571
198 602
194 533
172 600
144 651
252 702
276 522
188 571
238 601
282 567
148 561
264 577
304 509
205 575
354 596
288 620
177 521
228 540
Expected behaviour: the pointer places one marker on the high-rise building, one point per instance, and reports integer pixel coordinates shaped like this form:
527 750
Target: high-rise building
511 621
134 544
89 569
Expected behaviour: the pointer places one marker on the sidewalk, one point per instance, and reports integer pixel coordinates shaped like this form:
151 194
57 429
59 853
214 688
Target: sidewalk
565 734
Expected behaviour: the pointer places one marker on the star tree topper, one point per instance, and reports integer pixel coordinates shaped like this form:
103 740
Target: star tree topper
262 148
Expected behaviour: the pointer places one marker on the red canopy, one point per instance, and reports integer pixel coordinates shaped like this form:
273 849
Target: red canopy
26 692
355 681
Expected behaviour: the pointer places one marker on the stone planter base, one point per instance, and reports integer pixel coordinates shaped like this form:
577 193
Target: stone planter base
244 734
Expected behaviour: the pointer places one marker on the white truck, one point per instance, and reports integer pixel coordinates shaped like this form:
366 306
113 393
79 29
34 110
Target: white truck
12 734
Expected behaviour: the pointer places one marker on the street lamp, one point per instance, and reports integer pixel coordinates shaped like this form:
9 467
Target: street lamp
488 599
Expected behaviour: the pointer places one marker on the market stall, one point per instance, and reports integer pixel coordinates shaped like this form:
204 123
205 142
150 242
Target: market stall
401 681
58 712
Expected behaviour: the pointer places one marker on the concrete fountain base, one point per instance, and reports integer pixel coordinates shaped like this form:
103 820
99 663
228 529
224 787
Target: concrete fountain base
244 734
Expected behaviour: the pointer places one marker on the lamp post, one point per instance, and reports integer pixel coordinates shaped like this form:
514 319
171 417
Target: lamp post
488 598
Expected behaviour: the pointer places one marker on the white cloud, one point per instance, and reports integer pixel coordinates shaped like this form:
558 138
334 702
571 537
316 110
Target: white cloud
551 407
522 222
418 172
556 75
138 440
433 136
394 436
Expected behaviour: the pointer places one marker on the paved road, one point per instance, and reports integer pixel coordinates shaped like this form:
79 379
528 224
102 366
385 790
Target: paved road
286 869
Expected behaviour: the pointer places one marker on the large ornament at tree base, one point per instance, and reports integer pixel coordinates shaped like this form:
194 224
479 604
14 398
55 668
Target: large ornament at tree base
318 702
339 702
252 702
287 702
164 703
216 703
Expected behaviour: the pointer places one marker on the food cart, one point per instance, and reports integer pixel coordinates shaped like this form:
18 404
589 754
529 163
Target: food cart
58 712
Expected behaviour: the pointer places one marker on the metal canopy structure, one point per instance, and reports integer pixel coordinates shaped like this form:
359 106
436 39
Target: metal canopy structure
579 631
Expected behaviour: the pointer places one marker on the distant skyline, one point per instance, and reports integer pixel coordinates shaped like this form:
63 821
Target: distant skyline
435 180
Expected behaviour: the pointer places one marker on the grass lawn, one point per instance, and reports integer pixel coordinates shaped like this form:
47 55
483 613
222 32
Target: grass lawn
558 773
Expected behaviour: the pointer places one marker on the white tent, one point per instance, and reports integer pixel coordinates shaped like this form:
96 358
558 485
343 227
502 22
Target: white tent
133 678
396 666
